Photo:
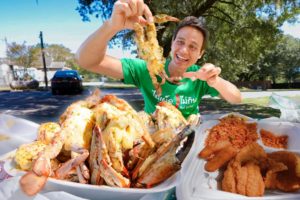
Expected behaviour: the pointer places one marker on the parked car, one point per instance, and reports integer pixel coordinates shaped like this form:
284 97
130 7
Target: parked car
24 84
66 81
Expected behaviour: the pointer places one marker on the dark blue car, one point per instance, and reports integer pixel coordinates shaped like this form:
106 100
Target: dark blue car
66 81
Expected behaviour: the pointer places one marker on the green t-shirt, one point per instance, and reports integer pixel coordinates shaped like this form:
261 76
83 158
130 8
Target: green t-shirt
186 97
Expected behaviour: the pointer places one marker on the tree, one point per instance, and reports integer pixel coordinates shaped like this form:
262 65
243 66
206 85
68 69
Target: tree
241 32
21 54
289 59
56 53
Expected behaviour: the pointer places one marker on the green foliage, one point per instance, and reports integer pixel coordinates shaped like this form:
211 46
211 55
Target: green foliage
244 35
86 74
31 56
20 54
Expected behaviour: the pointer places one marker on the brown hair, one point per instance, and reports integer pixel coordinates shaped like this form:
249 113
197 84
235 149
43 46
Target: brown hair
195 22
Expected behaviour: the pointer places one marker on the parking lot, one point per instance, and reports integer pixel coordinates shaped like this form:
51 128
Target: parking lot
42 106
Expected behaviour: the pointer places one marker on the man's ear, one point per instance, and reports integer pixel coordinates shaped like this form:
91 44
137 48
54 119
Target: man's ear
201 54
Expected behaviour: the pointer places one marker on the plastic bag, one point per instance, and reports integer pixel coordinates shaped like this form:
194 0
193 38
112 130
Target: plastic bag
290 109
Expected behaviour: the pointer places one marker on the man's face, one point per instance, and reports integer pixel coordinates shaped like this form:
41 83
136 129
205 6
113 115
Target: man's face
186 48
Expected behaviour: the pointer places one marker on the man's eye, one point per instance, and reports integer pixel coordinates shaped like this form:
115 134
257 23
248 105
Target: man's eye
193 47
180 42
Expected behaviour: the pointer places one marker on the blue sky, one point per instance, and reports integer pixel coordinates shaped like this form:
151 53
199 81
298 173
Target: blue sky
22 20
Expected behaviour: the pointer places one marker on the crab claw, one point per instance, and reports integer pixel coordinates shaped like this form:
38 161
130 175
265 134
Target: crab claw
162 18
31 183
166 160
42 166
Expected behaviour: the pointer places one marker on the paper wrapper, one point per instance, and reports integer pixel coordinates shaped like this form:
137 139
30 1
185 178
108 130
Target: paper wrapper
10 190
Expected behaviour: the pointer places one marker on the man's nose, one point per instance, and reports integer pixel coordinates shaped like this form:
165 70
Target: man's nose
184 49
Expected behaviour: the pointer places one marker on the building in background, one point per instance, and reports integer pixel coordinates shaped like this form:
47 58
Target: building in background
9 73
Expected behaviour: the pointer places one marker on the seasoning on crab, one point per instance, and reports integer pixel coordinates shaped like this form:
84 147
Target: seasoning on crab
150 51
118 128
74 137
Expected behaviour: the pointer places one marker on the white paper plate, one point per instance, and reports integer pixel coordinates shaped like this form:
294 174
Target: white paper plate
14 132
198 184
25 131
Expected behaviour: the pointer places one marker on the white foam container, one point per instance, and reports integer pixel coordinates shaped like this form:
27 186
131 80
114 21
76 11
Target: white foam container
198 184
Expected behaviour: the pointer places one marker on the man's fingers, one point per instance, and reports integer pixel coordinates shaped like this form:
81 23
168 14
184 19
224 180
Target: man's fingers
215 72
133 7
191 75
142 21
210 71
148 14
140 7
123 8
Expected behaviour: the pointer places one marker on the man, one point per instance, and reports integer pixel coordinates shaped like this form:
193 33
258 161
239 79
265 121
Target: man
187 47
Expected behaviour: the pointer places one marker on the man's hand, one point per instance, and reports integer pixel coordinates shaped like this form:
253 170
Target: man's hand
127 12
208 72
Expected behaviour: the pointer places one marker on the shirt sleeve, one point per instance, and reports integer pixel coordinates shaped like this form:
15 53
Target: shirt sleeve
133 70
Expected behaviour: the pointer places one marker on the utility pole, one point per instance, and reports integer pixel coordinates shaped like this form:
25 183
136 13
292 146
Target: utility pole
44 61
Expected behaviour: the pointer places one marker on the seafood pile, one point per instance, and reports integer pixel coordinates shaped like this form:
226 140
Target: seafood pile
150 51
104 141
231 147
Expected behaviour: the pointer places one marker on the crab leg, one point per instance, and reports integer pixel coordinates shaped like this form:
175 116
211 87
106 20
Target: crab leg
84 170
101 163
140 39
76 162
165 162
75 125
42 166
162 18
150 51
33 181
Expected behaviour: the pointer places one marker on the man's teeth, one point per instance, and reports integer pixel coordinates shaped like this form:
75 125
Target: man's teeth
181 58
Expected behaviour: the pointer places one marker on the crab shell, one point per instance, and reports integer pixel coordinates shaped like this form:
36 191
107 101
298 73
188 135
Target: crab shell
166 161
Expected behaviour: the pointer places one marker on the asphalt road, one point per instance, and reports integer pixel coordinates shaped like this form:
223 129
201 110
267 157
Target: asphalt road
42 106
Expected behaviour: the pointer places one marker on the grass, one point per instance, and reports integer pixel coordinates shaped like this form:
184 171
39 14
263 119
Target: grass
261 101
217 106
264 101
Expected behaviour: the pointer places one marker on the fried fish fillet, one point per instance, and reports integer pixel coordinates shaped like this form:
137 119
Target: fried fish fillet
217 155
243 175
220 159
287 180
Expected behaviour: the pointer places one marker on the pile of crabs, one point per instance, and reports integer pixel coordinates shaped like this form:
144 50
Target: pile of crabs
104 141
